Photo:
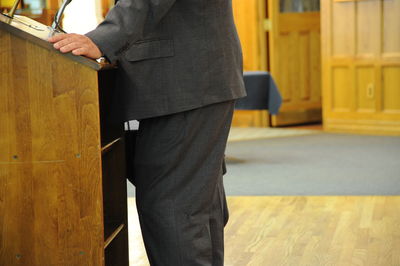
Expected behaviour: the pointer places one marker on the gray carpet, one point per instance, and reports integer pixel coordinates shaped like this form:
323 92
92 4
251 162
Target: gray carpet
319 164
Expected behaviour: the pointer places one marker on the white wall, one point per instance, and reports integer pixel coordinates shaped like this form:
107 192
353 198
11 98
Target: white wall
82 16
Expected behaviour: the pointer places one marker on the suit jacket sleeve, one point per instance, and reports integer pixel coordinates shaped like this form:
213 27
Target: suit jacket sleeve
126 23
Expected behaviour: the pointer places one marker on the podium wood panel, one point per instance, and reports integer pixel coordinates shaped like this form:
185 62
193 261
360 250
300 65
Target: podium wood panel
50 158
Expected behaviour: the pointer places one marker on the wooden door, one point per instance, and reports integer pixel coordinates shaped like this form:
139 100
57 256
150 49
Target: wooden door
361 66
294 54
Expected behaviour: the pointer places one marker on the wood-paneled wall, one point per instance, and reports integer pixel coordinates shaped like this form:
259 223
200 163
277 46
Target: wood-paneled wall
6 3
249 19
361 66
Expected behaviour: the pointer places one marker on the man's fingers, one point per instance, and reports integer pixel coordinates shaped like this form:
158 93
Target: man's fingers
65 42
77 44
80 51
70 47
62 43
58 37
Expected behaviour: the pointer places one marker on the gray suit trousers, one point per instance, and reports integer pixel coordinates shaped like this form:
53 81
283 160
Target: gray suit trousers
179 189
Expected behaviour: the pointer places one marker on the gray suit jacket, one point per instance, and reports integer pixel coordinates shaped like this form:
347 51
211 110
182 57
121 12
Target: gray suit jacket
173 55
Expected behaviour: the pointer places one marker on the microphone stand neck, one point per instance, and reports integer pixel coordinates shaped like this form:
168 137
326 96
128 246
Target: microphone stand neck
58 15
13 9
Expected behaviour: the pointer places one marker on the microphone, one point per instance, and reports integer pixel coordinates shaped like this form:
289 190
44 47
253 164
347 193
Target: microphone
57 17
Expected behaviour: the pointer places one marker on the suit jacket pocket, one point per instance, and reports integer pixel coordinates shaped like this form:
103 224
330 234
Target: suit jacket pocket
150 49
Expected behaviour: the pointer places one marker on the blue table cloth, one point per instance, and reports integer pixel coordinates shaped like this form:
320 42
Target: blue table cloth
262 93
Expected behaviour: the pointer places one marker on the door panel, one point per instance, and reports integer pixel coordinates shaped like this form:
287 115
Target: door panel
391 89
365 80
342 90
390 28
343 28
367 44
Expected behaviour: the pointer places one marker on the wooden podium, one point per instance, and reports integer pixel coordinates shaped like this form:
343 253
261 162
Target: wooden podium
63 198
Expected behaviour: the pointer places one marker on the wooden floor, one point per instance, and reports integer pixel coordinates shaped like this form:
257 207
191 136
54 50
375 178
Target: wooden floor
298 231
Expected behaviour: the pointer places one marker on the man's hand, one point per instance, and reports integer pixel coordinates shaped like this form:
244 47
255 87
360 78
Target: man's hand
77 44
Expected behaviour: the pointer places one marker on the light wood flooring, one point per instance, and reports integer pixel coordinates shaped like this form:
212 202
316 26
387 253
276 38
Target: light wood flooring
303 230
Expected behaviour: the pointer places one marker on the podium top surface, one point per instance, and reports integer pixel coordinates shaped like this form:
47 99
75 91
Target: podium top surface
38 33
